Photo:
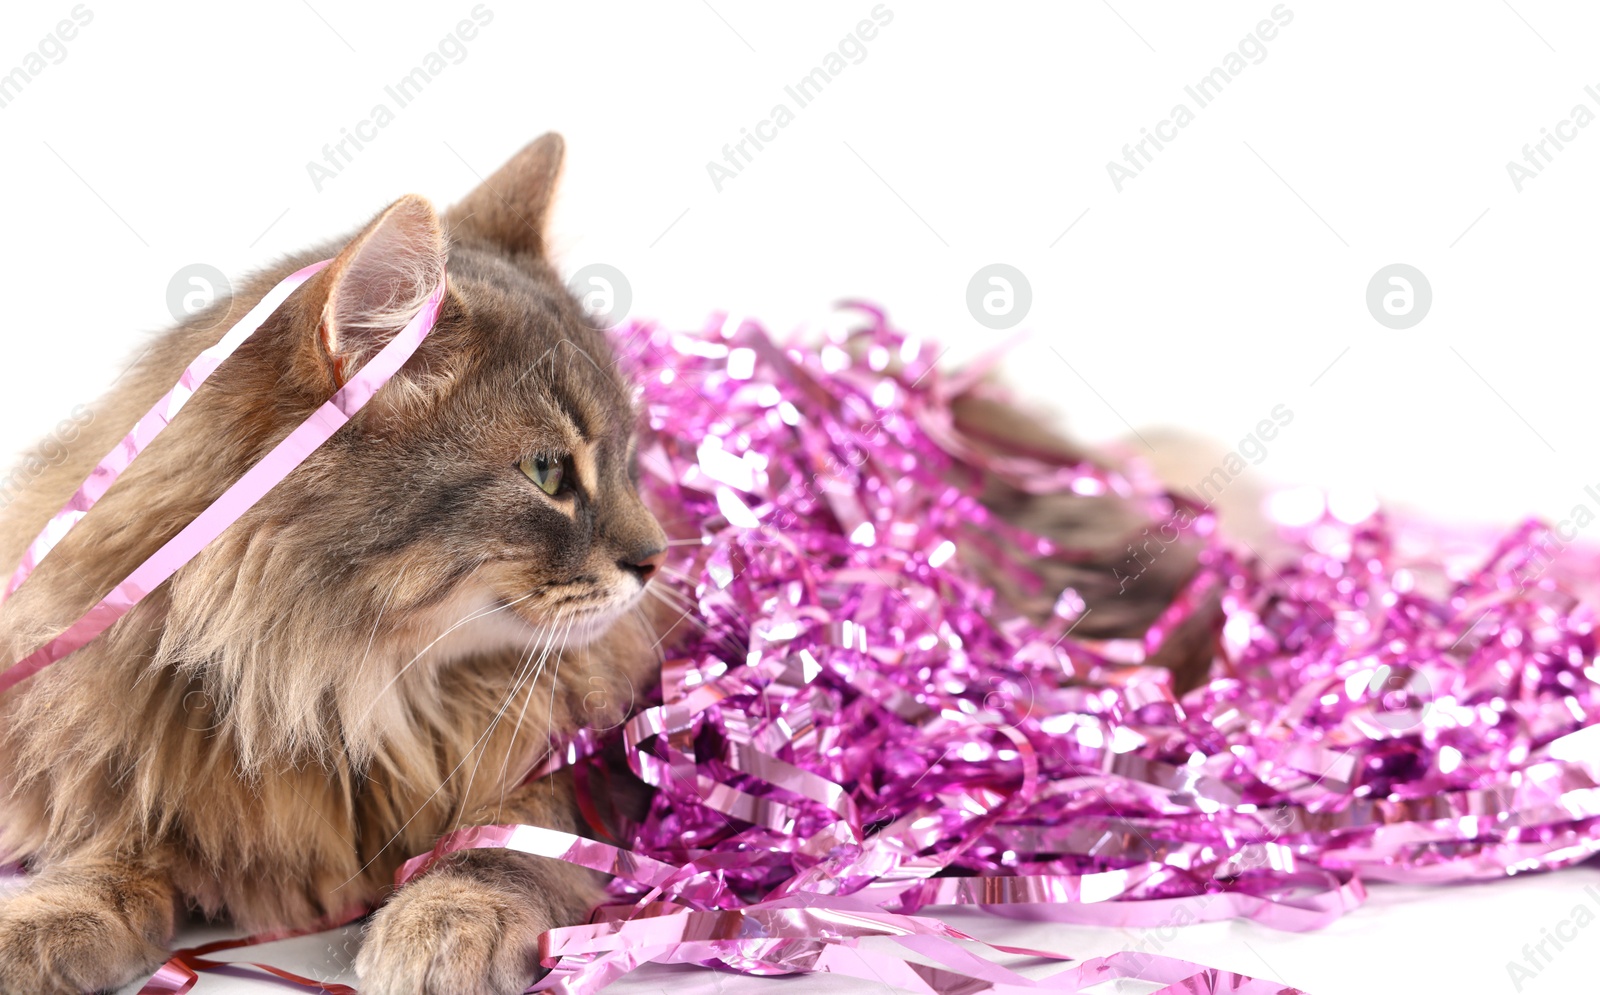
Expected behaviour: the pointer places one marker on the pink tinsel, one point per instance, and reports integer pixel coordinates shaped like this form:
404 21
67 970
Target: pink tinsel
858 729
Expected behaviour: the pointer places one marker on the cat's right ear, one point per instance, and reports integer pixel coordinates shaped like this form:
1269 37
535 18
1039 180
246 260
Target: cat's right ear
511 208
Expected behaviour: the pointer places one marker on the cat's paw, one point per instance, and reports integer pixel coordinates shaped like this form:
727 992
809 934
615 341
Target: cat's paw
456 934
67 941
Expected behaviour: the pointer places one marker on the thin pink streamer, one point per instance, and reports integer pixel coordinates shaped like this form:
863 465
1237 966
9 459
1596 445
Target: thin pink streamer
239 498
152 424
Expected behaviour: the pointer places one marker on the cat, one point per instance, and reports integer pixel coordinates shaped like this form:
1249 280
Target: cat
312 700
378 651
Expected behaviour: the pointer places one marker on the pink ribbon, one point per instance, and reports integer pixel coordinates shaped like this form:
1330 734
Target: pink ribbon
152 424
257 481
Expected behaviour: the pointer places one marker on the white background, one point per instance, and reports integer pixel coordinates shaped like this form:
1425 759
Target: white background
1222 281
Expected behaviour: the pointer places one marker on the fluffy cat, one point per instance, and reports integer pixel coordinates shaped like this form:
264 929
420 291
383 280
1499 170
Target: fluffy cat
377 652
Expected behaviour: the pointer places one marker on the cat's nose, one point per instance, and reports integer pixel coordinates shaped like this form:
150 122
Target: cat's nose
644 567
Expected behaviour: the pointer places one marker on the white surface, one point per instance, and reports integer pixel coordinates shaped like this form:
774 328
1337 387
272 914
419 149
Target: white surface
1222 281
1404 939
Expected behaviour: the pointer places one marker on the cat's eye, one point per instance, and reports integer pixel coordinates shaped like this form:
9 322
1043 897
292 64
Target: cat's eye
549 474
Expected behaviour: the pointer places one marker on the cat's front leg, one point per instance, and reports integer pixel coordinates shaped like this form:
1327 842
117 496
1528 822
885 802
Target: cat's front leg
471 924
85 924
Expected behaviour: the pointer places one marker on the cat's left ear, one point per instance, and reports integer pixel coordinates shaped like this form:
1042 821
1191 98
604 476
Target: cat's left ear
377 284
512 208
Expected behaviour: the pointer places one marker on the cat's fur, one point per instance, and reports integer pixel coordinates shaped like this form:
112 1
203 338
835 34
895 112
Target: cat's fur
271 732
375 653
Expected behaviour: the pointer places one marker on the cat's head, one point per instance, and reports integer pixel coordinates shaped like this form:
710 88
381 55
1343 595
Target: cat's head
484 500
499 465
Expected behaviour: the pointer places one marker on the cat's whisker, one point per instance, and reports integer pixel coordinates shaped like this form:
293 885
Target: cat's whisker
550 642
687 609
671 603
639 618
668 591
687 614
555 679
679 591
665 590
703 541
677 578
463 801
471 616
558 646
419 810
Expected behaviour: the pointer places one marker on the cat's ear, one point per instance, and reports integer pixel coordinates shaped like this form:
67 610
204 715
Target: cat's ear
510 208
378 282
